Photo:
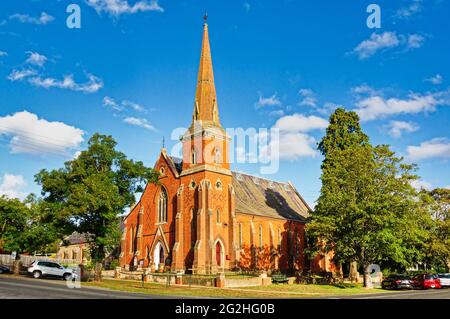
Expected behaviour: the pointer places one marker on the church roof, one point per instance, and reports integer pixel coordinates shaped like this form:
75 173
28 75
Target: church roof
264 197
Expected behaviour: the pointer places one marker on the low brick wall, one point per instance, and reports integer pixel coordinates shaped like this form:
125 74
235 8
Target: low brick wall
243 282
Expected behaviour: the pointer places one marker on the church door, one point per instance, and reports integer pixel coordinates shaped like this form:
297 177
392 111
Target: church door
218 254
158 254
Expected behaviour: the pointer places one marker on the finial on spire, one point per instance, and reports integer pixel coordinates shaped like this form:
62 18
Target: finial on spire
163 143
205 17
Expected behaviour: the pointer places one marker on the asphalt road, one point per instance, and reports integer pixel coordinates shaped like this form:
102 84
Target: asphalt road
29 288
404 294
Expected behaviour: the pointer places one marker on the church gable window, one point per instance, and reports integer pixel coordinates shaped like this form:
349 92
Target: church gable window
217 156
193 156
218 217
162 206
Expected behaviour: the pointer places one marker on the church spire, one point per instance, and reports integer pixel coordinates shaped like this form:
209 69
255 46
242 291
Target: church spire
205 106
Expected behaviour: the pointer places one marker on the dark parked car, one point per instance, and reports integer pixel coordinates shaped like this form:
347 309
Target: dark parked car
396 282
4 269
426 281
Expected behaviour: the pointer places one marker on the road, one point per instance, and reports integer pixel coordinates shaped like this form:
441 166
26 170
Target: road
404 294
29 288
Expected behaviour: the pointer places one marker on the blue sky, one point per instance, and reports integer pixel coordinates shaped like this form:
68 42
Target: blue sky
130 71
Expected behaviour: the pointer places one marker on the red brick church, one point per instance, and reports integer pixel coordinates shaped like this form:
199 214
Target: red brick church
204 218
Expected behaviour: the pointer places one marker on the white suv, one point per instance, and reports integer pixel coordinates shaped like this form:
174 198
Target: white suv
40 269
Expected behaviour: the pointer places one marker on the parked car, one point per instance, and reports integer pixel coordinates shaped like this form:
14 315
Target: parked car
397 282
426 281
4 269
444 279
40 269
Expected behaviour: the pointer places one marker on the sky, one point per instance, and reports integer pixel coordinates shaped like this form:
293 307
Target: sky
130 71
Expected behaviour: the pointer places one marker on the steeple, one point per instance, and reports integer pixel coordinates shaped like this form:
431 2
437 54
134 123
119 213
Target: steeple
205 105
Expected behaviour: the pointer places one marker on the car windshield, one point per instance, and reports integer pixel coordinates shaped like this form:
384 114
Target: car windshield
430 276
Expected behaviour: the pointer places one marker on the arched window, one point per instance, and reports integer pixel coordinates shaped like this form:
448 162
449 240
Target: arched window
279 239
260 236
218 220
162 206
131 239
217 156
240 235
193 156
193 228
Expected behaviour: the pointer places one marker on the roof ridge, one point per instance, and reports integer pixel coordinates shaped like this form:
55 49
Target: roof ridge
252 175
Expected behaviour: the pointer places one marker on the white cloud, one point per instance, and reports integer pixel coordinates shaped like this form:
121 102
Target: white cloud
141 122
110 102
246 6
364 89
32 135
91 86
412 9
376 42
308 97
36 59
290 146
118 7
374 107
300 123
134 106
414 41
3 53
18 75
267 101
397 128
12 186
386 41
43 19
276 113
420 184
436 79
120 106
434 148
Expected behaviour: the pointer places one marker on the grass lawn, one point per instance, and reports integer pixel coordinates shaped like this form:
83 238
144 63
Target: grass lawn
271 291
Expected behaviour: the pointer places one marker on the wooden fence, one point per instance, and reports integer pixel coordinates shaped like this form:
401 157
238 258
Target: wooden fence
27 260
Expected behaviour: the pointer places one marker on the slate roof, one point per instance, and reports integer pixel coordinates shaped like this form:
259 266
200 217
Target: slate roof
264 197
76 238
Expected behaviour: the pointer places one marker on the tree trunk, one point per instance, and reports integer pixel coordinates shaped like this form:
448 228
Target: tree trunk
98 271
17 264
353 272
367 277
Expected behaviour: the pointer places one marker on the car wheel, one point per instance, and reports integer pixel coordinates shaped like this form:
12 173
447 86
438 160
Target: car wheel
37 274
67 277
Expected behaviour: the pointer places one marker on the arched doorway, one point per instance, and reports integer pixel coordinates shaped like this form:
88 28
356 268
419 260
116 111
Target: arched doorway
218 254
158 254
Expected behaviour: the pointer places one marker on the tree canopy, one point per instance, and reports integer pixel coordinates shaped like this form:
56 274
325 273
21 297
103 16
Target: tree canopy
367 210
92 190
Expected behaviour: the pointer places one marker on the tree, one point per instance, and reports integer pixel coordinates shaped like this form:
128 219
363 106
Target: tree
92 190
438 245
26 226
366 202
13 223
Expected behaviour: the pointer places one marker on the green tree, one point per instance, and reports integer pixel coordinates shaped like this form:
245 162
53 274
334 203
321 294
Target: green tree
27 226
438 252
13 223
91 191
364 211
